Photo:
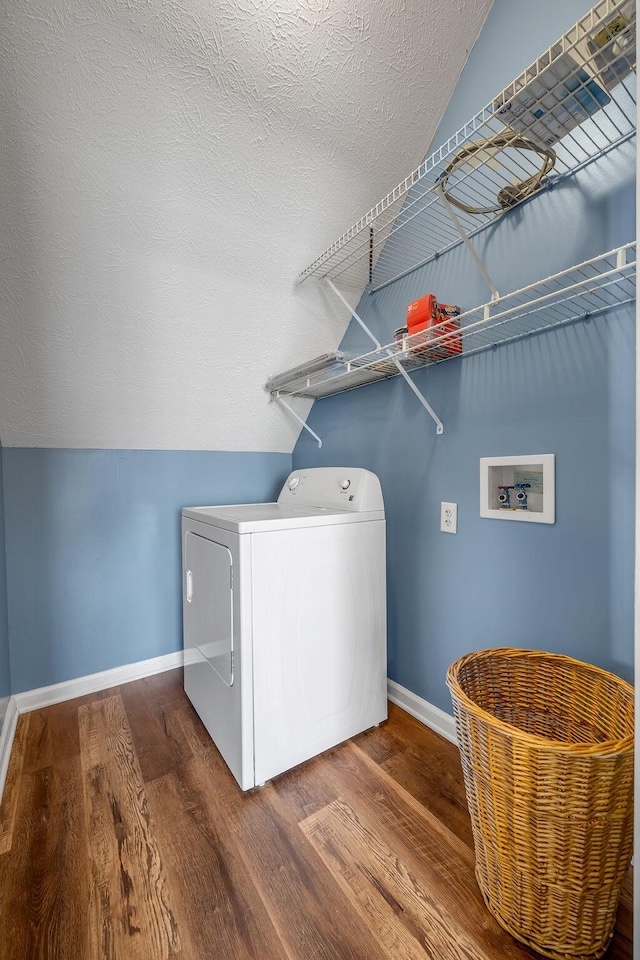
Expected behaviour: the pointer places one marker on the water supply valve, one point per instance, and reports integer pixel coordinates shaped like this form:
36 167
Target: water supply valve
521 495
504 498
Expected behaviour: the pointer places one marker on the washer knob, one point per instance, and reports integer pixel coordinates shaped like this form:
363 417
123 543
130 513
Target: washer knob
293 483
345 484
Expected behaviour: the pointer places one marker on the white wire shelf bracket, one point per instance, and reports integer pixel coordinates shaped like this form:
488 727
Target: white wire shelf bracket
586 290
572 105
305 426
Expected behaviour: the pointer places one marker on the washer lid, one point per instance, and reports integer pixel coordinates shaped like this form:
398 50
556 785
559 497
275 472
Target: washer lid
261 517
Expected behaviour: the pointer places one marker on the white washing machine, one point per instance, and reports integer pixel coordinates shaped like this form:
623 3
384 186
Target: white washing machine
284 610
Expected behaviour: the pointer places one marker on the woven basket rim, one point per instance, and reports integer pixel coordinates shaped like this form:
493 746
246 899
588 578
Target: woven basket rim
604 748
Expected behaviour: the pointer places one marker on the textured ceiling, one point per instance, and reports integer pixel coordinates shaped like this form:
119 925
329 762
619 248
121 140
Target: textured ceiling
167 169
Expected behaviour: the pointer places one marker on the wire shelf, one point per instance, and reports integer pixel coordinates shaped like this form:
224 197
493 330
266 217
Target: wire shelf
573 104
588 289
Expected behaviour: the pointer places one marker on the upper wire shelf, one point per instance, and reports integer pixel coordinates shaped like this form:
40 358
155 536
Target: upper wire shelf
572 105
588 289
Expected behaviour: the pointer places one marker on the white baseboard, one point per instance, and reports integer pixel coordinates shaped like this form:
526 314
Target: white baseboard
432 716
422 710
70 689
6 739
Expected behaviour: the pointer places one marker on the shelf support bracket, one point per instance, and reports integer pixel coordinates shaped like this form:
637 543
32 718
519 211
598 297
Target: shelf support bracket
354 314
434 416
403 373
276 396
470 247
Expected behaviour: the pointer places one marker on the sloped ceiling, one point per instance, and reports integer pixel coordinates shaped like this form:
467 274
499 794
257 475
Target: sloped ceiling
168 167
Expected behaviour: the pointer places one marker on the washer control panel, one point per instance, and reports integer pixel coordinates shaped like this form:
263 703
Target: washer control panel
342 488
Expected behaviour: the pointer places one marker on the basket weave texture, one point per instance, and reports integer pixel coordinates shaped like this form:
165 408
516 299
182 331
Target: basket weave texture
546 744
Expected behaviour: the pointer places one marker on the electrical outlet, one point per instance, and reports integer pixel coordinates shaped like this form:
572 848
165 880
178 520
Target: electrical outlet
449 517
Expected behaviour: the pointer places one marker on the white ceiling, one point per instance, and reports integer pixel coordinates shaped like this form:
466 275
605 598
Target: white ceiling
168 167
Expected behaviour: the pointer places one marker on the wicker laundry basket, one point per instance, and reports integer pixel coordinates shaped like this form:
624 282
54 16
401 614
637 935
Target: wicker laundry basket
547 752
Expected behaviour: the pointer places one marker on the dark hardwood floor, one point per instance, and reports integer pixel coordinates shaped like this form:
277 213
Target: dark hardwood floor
124 837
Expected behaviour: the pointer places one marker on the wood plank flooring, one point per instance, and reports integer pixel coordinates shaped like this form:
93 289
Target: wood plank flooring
123 836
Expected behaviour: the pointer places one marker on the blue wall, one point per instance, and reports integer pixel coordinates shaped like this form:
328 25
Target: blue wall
93 550
566 587
5 677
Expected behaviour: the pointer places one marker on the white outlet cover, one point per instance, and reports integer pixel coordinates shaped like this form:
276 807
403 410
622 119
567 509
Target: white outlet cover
448 517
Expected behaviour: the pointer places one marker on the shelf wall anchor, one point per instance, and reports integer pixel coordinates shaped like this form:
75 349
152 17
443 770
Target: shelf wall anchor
403 373
276 396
